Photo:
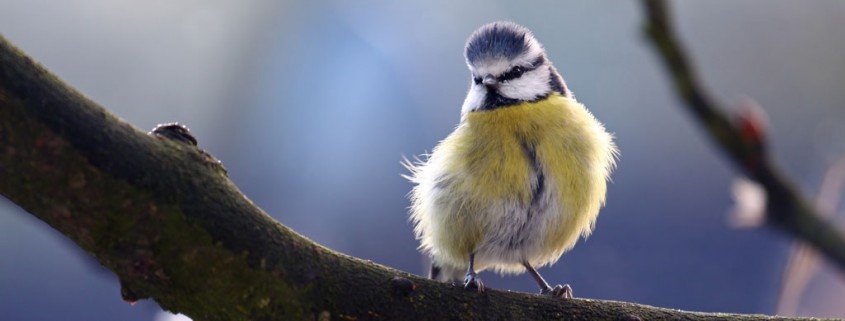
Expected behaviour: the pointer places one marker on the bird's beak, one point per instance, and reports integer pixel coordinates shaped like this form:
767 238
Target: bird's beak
490 81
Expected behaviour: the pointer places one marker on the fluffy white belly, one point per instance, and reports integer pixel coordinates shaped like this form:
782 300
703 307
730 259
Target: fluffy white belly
516 234
512 231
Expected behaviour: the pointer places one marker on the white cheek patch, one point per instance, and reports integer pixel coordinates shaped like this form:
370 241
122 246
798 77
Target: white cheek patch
531 85
475 97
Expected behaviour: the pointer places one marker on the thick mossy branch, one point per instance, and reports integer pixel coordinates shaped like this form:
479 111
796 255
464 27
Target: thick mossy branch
164 217
787 208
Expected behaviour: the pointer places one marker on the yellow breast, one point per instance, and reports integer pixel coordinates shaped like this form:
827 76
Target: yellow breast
488 160
568 141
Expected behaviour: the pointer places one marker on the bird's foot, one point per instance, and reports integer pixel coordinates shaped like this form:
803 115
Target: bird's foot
473 282
559 291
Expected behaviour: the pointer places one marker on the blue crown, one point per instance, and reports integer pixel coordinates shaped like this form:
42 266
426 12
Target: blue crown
498 40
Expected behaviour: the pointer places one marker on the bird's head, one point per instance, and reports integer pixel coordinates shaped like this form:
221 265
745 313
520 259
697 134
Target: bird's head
508 66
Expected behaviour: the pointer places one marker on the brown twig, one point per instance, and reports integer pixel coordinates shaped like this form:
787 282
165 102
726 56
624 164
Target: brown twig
744 144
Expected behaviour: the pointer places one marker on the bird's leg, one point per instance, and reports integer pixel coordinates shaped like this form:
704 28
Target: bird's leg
544 286
559 291
472 281
435 272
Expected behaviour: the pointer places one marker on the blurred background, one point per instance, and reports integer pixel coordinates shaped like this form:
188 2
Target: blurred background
311 105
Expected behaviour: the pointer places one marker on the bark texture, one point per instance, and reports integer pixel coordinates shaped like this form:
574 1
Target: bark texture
162 215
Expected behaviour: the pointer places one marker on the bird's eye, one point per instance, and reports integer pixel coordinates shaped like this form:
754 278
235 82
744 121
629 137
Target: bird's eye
477 80
514 73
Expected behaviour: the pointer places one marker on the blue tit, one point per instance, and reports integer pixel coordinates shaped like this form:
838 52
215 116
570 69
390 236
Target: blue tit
521 177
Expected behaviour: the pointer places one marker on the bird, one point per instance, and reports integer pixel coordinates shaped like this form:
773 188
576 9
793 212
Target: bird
522 176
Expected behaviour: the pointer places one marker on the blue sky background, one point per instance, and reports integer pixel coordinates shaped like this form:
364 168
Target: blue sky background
311 105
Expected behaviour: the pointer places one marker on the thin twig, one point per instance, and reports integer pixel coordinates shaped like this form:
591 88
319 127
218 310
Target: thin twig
787 208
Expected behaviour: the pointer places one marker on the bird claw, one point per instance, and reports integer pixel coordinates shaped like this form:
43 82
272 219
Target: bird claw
472 282
559 291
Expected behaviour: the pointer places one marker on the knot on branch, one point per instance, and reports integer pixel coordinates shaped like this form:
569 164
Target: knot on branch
402 286
181 134
175 132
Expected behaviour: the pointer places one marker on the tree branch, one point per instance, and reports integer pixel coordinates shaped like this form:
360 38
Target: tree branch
162 215
787 208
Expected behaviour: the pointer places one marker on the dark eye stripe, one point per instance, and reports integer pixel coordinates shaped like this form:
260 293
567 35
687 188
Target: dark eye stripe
515 72
477 80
